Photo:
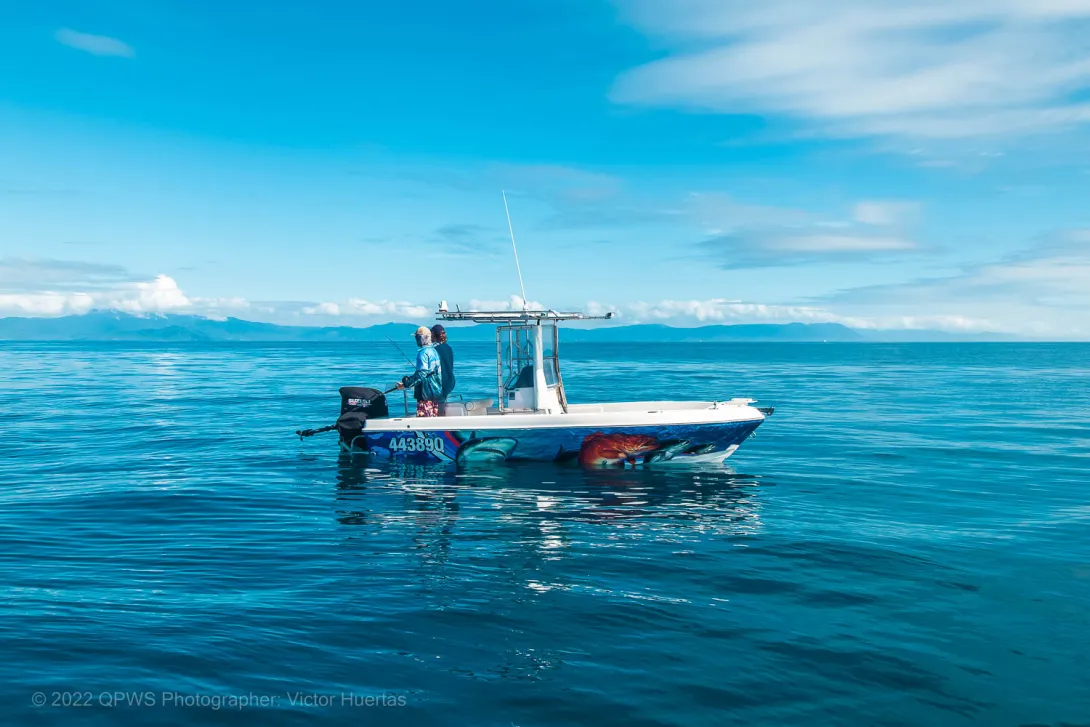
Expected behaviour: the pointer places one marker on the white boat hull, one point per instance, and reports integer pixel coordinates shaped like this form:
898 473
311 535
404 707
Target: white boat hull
640 433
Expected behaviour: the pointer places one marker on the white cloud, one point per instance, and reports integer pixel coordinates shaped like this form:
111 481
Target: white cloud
19 275
718 310
99 45
512 303
748 236
357 306
594 308
1043 291
460 240
360 308
723 311
64 287
677 312
689 313
161 295
45 303
884 213
900 68
811 242
555 182
322 309
718 210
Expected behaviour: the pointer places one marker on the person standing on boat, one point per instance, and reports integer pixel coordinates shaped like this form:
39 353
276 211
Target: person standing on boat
427 380
446 362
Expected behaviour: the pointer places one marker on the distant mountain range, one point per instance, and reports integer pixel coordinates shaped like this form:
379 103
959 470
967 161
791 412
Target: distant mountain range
116 326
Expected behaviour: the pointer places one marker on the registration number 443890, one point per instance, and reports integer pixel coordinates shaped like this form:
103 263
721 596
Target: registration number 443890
416 444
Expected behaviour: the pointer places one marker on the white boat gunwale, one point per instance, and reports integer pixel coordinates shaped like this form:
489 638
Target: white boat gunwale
636 414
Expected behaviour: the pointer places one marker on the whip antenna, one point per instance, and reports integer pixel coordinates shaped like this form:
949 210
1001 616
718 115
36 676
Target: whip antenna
513 247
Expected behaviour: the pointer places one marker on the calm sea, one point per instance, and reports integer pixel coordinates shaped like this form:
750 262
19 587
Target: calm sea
905 542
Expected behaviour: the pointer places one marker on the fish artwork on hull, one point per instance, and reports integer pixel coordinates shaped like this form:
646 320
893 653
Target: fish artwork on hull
666 451
618 450
615 450
485 449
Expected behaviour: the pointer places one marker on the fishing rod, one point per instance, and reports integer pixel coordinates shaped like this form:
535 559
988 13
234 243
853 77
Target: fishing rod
407 360
403 355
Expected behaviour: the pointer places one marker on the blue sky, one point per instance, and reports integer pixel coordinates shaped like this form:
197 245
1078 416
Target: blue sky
882 164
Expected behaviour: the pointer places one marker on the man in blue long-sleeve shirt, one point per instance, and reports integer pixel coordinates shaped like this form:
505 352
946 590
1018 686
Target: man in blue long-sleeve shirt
446 361
427 380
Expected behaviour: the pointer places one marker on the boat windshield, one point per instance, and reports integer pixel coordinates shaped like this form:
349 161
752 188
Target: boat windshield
516 358
551 377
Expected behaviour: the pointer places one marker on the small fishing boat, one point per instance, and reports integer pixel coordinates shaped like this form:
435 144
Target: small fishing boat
530 417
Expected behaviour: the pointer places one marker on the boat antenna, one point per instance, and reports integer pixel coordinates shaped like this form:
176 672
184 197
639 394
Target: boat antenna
513 247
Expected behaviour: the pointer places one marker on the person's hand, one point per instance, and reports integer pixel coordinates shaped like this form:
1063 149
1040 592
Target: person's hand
400 385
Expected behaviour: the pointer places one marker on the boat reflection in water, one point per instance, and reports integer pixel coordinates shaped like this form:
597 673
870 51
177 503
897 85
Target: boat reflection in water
546 506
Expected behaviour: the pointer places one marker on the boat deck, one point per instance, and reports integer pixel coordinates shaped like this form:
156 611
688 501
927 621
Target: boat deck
651 406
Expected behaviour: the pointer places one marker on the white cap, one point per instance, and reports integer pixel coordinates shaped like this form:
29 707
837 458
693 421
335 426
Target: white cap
423 331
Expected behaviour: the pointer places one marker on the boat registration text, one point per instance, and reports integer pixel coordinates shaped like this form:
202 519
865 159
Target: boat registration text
416 444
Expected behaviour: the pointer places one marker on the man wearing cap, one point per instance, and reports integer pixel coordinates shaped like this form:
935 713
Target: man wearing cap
427 380
446 362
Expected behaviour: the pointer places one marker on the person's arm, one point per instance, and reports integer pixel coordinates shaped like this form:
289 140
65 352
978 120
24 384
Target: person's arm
421 370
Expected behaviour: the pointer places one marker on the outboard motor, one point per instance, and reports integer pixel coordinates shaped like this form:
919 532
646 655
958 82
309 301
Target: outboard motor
358 404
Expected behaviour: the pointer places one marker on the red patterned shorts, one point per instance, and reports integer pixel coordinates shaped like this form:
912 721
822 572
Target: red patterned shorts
427 408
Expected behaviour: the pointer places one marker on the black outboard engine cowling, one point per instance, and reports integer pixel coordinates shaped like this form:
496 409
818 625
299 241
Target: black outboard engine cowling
361 398
358 404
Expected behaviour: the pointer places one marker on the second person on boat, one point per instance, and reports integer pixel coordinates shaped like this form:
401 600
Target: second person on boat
446 362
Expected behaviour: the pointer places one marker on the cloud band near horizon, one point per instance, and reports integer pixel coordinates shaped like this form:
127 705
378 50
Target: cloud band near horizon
77 288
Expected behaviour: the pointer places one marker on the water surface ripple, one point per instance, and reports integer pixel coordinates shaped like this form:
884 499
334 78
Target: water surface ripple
904 543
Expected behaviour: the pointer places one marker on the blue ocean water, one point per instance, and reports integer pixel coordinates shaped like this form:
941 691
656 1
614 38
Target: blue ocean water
905 542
